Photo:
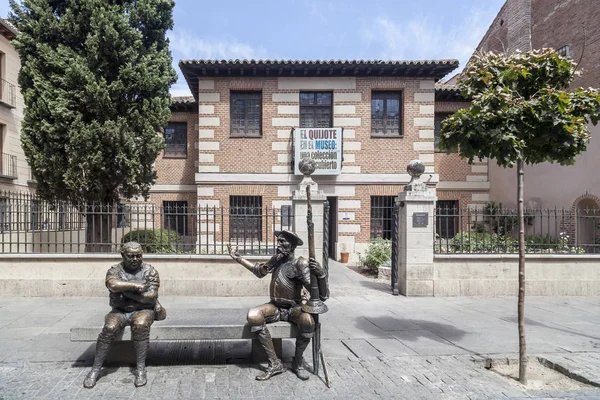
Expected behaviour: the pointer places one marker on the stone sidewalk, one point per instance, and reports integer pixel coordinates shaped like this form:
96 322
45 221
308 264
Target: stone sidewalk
377 346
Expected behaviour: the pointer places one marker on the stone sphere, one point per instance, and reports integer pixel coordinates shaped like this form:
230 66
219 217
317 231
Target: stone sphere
415 168
307 166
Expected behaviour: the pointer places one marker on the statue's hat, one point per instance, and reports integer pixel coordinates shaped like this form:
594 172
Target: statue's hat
290 237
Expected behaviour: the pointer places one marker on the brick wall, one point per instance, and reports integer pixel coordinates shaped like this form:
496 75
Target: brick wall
573 23
269 156
270 152
180 171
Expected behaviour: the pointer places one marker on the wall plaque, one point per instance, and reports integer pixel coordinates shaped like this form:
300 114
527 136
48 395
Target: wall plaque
420 219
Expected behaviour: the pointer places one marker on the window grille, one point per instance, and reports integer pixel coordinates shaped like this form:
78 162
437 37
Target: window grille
386 114
176 139
245 221
246 114
382 216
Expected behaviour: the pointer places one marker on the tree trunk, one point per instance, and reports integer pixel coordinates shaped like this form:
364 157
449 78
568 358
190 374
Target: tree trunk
521 303
98 228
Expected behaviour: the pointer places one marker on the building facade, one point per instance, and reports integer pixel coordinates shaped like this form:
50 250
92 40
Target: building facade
14 171
240 128
571 27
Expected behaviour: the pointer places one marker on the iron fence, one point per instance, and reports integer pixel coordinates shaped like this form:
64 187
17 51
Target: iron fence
492 229
31 225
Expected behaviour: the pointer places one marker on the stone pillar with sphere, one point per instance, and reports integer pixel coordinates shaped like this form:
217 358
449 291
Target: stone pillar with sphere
416 227
300 210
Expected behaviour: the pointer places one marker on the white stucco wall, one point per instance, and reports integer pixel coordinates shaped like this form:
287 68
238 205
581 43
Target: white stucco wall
550 185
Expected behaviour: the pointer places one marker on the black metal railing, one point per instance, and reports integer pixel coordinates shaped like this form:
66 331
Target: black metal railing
29 224
489 229
8 165
8 93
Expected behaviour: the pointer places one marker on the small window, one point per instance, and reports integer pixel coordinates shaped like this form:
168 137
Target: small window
245 218
564 51
386 114
439 117
316 110
382 216
176 140
175 213
246 114
446 218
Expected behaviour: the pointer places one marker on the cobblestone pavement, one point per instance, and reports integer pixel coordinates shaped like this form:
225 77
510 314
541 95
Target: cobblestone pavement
415 377
377 346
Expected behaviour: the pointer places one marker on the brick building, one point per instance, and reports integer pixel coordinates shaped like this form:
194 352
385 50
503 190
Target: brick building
571 27
232 143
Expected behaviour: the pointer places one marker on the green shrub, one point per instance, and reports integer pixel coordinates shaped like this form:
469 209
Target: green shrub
378 252
475 242
548 244
155 241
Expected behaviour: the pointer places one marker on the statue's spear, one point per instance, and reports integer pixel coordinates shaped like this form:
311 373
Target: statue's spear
315 305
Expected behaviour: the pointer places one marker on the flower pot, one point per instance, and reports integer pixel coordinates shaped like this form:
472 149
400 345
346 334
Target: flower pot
344 257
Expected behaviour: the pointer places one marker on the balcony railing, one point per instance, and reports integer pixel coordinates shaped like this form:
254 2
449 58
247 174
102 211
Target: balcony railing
8 93
8 166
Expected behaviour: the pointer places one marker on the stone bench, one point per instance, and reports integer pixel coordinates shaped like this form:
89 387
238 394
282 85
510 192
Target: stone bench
190 325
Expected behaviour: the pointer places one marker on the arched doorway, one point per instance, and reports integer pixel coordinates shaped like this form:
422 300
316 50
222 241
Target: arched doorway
588 218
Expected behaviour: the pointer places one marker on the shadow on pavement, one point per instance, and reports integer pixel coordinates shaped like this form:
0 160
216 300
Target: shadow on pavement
410 329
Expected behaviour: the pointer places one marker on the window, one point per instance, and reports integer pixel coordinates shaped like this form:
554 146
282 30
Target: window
386 114
316 110
176 140
382 216
245 218
439 117
176 216
446 212
565 51
246 114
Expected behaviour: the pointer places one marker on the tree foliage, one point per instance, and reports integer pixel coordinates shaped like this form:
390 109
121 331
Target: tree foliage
521 113
95 75
520 110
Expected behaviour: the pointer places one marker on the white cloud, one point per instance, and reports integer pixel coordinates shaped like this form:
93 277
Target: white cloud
180 89
185 45
423 38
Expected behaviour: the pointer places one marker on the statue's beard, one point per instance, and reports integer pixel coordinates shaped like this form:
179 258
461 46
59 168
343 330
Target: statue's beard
278 258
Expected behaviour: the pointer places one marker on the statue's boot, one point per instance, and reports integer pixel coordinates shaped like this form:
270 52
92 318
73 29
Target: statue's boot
275 365
101 354
141 352
298 361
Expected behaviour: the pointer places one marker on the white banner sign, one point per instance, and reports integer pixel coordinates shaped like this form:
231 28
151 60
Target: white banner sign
324 145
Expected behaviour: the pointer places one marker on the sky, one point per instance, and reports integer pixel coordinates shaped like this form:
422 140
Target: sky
325 30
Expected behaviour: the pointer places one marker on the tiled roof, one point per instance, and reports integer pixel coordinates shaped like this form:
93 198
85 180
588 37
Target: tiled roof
194 69
7 29
183 103
183 99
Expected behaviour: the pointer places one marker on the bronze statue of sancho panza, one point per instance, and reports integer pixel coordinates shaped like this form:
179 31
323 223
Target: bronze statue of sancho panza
289 275
133 287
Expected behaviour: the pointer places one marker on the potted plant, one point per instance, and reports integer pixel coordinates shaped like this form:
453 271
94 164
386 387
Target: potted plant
344 253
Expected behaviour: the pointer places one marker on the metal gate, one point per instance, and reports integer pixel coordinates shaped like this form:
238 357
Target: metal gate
326 235
395 244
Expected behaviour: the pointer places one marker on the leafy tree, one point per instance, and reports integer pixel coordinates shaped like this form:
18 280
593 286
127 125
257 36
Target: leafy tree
521 113
95 75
